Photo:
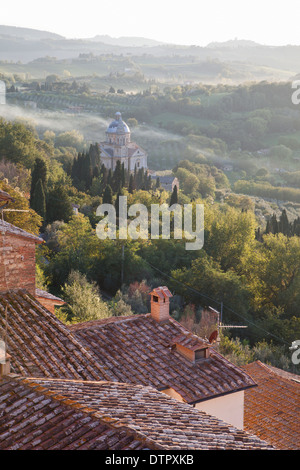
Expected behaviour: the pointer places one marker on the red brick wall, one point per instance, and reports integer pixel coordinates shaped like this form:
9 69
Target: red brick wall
17 263
188 353
160 310
48 303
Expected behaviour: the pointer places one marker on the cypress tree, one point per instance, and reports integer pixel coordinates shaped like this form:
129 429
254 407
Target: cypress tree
131 184
117 177
94 153
149 182
174 196
58 205
103 178
117 203
283 225
296 227
140 179
135 177
87 171
123 175
96 172
109 177
74 168
108 195
39 199
274 224
39 172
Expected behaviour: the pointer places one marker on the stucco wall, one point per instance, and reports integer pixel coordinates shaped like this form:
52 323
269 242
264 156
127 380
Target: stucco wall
229 408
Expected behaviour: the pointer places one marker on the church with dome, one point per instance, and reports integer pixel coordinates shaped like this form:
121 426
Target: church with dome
118 146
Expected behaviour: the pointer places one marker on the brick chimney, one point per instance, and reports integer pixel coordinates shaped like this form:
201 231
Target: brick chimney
160 303
17 258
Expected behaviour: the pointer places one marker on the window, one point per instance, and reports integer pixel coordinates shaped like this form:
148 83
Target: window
155 299
200 354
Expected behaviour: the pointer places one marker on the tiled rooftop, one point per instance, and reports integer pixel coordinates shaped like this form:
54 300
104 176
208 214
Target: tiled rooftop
32 419
5 197
13 230
64 414
272 410
41 345
139 350
47 295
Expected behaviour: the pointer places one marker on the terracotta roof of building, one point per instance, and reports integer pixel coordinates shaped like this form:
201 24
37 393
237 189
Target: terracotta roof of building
190 341
162 292
166 179
109 151
40 344
17 231
139 350
285 374
4 196
132 147
63 414
46 295
34 418
272 410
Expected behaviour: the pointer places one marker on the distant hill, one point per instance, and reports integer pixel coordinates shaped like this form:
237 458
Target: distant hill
233 43
27 33
233 60
127 41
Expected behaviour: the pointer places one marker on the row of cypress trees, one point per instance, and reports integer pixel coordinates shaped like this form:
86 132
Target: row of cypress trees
283 225
86 167
54 203
50 203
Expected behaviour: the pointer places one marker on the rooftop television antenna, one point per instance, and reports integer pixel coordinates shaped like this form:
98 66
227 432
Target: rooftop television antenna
215 335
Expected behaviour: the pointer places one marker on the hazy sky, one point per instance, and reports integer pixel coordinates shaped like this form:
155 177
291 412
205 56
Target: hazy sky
181 22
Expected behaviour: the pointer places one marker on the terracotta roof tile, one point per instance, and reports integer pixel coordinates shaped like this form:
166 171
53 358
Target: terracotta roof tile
4 196
32 418
40 344
190 341
17 231
138 349
272 409
162 292
72 414
47 295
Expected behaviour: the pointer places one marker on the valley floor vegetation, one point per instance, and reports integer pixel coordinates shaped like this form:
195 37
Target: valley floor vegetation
250 263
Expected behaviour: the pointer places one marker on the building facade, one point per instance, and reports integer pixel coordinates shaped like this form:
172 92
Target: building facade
18 263
17 258
118 146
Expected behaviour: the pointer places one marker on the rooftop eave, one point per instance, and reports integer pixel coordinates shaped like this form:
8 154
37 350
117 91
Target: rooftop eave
241 389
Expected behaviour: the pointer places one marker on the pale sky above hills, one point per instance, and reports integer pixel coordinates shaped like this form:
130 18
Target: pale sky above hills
181 22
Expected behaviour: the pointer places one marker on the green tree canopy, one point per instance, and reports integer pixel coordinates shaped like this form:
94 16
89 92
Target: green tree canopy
39 199
39 172
83 298
28 220
58 204
108 194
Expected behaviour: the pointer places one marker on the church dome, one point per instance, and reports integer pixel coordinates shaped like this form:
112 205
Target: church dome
118 126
